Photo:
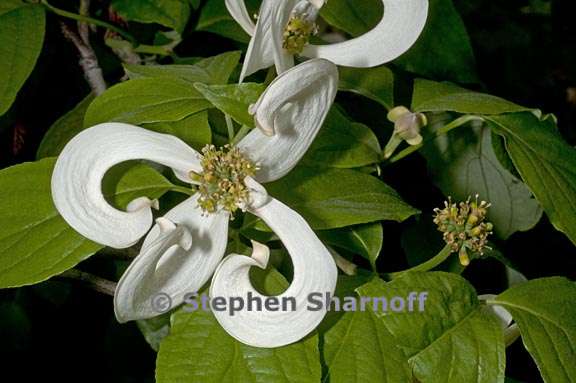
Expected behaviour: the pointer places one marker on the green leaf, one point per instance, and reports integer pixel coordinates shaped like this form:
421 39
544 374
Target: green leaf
233 99
214 70
194 129
448 339
545 313
216 19
431 96
546 163
365 240
443 50
331 198
146 100
63 130
154 330
199 350
375 83
35 242
129 180
463 163
21 38
352 16
359 349
170 13
342 143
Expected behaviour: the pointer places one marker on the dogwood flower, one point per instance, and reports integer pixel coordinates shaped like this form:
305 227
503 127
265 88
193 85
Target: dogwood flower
284 27
185 246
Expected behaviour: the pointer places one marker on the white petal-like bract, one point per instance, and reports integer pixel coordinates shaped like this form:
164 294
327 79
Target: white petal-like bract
288 116
237 9
265 48
400 27
314 272
80 168
163 267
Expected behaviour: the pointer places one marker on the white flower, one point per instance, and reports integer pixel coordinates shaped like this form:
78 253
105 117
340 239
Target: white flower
182 251
284 27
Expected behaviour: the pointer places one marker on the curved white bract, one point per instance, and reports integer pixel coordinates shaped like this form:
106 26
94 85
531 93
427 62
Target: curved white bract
175 271
265 48
288 116
401 24
80 168
237 9
314 272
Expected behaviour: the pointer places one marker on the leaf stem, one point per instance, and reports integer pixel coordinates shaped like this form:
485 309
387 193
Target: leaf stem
95 283
443 130
230 126
183 190
89 20
426 266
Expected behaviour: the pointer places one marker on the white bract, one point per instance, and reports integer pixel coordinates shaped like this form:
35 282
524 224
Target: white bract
186 246
284 27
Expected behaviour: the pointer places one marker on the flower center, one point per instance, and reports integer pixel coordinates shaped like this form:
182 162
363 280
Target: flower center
464 227
222 179
300 27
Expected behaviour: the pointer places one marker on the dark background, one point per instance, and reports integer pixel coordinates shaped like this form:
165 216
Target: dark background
63 332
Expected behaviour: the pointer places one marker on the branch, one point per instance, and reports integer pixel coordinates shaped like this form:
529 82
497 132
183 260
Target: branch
95 283
88 60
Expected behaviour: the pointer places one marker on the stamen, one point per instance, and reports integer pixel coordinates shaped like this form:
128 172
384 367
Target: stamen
300 27
464 228
222 180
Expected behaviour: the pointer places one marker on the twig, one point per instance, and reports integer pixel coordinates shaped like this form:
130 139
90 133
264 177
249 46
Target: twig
96 283
88 60
84 27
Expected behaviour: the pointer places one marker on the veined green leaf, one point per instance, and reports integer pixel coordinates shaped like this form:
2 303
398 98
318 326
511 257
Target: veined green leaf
170 13
194 129
365 240
233 99
359 349
199 350
545 312
375 83
214 70
21 37
342 143
146 100
546 163
463 163
449 338
35 242
331 198
431 96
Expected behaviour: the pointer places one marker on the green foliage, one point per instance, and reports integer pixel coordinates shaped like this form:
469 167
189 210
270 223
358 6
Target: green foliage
21 39
333 198
233 100
375 83
453 339
214 70
463 163
545 314
365 240
342 143
170 13
220 358
36 243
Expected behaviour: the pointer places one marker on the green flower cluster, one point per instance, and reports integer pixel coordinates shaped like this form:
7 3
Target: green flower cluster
222 180
464 227
297 34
